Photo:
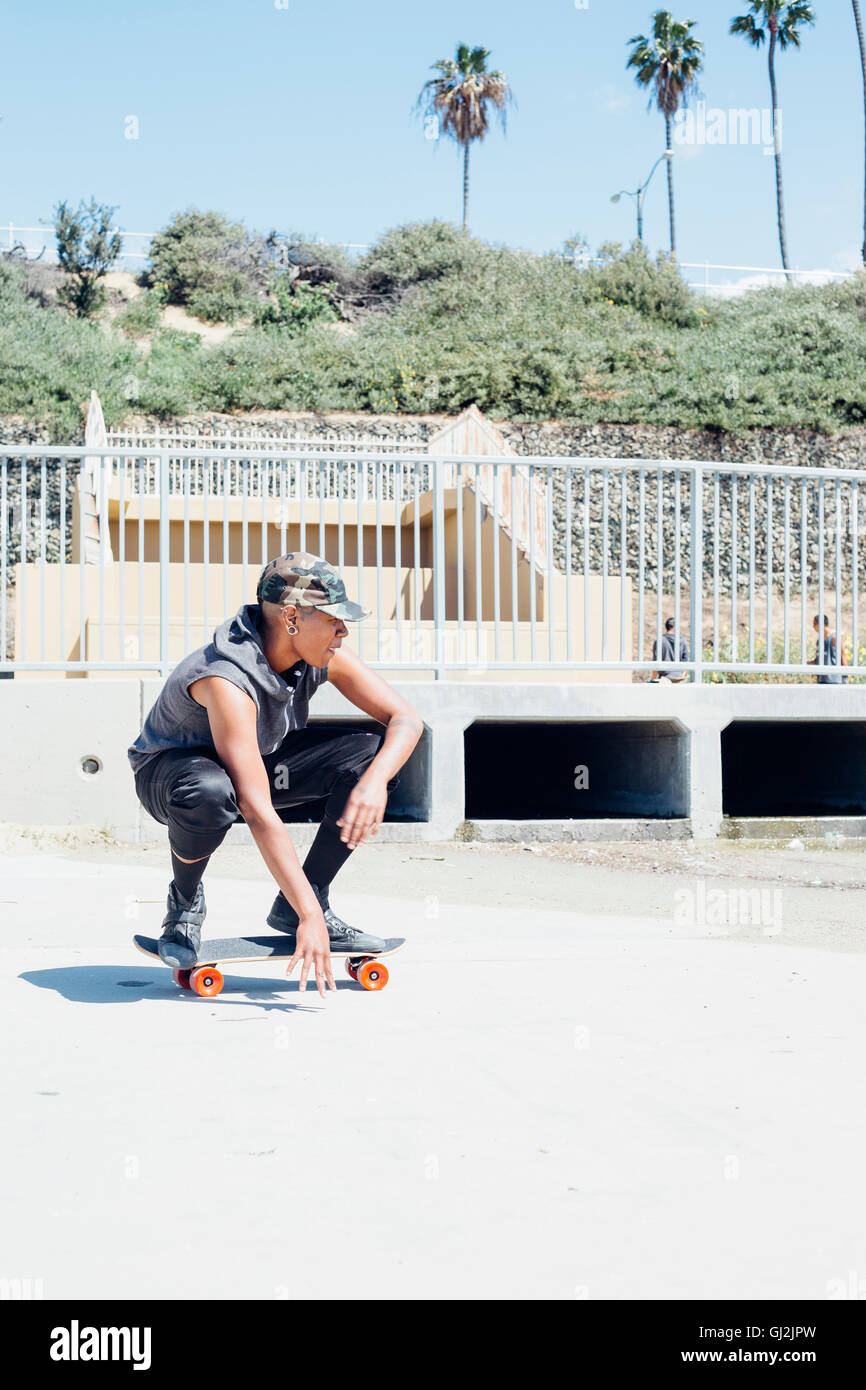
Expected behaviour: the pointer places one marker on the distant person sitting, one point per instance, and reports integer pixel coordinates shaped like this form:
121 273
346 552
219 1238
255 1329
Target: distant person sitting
834 655
669 653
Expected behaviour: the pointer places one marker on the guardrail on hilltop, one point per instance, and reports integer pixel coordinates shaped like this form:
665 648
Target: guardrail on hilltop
35 242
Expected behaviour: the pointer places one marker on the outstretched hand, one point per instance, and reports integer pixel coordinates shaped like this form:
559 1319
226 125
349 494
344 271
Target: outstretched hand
313 947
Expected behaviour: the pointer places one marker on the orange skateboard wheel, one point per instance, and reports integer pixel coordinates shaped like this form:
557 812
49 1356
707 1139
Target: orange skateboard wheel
372 974
206 981
350 969
181 977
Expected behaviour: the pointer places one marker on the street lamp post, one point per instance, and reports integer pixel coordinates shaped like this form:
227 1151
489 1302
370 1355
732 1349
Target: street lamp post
640 193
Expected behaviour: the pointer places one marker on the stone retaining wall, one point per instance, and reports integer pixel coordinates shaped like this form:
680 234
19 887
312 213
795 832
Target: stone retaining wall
560 438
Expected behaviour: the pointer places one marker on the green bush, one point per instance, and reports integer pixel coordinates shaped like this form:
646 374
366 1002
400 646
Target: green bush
86 249
296 307
12 287
455 321
225 303
49 362
142 315
200 259
270 370
416 252
655 288
166 387
318 263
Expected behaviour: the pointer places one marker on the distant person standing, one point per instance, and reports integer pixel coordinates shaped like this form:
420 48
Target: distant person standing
834 655
669 653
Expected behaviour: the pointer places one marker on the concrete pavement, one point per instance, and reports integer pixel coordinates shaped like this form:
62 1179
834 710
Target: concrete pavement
562 1103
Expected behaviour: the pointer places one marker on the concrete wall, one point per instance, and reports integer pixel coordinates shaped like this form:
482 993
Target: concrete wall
47 730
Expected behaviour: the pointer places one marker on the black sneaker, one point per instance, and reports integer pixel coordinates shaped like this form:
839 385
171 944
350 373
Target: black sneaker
181 929
283 917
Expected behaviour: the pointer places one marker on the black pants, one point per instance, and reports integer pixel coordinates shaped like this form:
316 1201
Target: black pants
190 791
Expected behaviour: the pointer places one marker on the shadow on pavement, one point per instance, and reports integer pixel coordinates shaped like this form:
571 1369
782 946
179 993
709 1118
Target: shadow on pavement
110 984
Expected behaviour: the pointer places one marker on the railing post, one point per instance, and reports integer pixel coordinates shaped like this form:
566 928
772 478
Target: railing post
696 606
438 565
163 560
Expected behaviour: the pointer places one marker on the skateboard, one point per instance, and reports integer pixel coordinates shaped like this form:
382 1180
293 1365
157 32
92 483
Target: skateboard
205 979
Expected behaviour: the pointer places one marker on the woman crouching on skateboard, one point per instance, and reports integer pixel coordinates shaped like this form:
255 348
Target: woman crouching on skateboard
227 740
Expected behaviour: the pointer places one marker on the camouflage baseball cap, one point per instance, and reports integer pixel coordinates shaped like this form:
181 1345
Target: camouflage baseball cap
307 581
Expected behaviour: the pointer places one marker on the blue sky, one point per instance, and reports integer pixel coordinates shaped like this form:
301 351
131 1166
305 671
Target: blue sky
300 118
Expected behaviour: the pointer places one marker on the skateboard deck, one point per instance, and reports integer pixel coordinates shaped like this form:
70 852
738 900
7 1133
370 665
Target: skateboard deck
206 979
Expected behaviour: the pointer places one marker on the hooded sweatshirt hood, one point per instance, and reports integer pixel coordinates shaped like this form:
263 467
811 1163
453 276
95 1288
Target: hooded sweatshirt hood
231 642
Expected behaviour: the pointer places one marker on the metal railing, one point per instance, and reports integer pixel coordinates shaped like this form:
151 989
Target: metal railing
243 473
763 277
760 276
205 450
256 437
42 240
100 573
39 241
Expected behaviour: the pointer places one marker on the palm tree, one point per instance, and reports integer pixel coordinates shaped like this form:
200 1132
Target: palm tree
859 23
459 96
669 62
783 19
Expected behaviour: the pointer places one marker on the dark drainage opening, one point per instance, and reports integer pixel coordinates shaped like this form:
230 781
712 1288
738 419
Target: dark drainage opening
409 800
569 771
794 768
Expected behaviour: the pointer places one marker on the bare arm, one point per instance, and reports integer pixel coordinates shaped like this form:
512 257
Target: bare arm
232 718
401 736
366 689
